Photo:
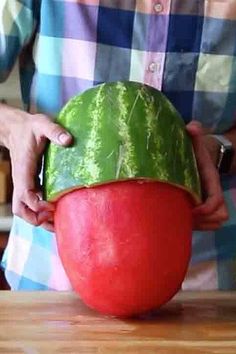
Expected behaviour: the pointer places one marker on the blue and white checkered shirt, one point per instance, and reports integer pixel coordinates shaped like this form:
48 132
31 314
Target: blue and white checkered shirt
187 49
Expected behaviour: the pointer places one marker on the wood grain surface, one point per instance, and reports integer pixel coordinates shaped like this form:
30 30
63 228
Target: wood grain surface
58 322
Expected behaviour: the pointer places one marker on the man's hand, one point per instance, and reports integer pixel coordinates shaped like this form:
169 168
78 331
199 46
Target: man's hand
212 213
25 137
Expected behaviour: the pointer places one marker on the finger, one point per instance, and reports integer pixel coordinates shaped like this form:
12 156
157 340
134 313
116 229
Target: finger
48 226
207 226
48 222
211 204
220 215
208 173
211 219
33 201
195 127
201 223
24 172
21 210
211 222
54 132
46 206
44 216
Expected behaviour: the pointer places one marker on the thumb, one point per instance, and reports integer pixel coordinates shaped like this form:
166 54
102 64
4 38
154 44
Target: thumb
54 132
196 128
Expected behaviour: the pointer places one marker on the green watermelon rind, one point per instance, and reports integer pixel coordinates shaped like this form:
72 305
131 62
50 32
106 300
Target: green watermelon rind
122 131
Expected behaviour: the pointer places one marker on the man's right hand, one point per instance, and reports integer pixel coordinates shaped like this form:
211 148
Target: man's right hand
25 135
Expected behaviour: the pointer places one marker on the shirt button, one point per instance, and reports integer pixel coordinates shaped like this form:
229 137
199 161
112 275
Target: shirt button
153 67
158 7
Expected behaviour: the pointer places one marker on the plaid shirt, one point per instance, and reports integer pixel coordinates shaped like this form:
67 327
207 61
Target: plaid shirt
187 49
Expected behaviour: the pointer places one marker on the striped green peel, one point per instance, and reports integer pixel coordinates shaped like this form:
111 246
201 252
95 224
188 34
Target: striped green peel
121 130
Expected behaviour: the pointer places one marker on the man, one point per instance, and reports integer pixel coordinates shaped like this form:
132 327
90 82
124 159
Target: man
67 46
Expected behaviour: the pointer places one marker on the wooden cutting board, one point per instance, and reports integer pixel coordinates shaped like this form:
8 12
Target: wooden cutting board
53 322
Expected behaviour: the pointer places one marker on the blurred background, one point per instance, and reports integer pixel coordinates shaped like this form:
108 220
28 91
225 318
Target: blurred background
9 94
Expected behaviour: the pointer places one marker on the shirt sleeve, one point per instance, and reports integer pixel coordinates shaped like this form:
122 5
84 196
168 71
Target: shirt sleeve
18 20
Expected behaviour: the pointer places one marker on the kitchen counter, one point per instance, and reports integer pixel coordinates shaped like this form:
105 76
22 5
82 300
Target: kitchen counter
58 322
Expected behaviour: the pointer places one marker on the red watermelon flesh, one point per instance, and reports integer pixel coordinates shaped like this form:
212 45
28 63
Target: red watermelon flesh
126 245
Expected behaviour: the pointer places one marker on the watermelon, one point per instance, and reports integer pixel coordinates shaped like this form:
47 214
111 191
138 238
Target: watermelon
124 193
125 246
121 130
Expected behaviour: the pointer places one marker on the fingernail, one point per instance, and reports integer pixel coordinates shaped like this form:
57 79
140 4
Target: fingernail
195 122
64 138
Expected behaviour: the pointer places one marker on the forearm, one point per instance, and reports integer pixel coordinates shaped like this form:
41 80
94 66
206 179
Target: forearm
11 120
5 113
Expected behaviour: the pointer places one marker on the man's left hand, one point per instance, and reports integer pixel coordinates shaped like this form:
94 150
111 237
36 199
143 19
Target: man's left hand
212 213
